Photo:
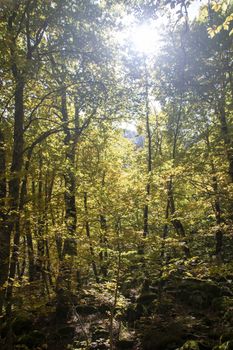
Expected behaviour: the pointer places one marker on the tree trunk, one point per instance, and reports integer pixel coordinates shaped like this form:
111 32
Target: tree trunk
4 234
13 221
63 283
178 226
104 246
149 157
88 233
216 205
226 136
70 185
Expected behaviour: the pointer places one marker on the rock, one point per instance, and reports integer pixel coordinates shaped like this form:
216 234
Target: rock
64 305
146 299
144 304
86 309
125 344
21 325
224 346
197 293
103 308
165 306
190 345
100 333
4 330
66 332
226 335
197 299
171 336
98 346
221 304
131 314
32 339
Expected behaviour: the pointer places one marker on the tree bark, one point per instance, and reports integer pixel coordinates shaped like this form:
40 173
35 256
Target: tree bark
226 136
217 204
4 234
70 185
88 233
149 156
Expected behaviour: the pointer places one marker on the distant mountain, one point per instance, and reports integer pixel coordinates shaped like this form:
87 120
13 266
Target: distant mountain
132 135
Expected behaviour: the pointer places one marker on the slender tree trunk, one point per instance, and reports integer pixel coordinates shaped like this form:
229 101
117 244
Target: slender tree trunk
178 226
218 216
117 285
14 186
17 236
30 250
70 185
4 234
216 205
226 135
13 219
149 156
69 250
88 233
104 246
40 224
103 239
162 252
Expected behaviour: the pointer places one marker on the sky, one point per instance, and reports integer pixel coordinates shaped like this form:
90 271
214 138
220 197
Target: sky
146 38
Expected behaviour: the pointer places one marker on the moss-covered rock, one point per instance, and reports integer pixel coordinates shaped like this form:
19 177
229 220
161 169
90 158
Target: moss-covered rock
131 314
190 345
125 344
32 339
222 304
171 336
83 309
66 332
224 346
146 299
4 329
100 333
103 308
98 345
21 325
197 293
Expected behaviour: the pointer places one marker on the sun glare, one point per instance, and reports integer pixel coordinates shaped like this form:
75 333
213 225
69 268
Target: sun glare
145 38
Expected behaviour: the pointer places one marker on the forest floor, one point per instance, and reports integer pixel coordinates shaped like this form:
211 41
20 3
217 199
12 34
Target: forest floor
184 313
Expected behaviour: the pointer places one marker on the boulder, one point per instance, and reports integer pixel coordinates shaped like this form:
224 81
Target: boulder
224 346
125 344
100 333
190 345
197 293
32 339
84 309
66 332
171 336
21 325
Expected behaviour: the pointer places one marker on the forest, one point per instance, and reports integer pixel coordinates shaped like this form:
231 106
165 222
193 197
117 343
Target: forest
116 174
